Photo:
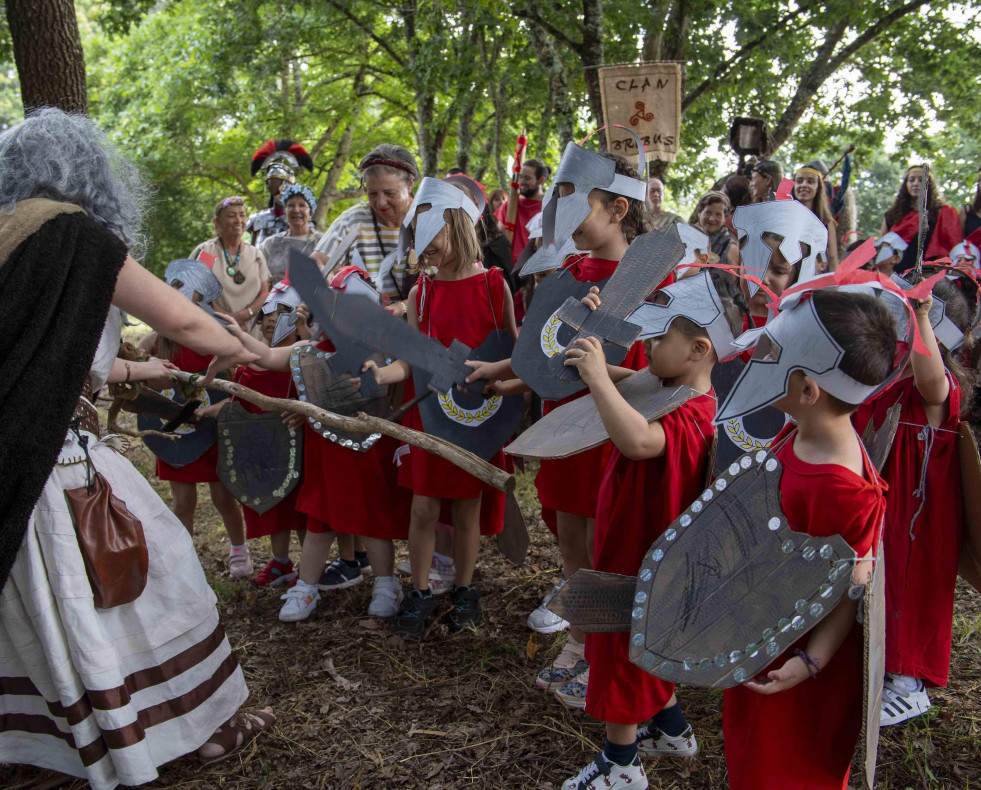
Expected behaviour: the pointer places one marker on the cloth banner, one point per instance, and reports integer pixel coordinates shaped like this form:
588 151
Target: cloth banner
646 98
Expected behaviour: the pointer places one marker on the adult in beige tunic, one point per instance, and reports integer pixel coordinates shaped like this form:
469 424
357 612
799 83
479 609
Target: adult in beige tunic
239 267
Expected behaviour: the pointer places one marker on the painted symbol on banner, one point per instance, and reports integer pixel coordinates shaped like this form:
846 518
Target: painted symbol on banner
640 115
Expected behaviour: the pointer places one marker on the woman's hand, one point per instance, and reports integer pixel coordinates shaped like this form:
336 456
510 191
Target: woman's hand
156 373
793 671
293 420
588 357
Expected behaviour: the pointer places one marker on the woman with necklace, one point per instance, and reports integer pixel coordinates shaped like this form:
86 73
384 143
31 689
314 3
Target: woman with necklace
371 229
301 235
239 267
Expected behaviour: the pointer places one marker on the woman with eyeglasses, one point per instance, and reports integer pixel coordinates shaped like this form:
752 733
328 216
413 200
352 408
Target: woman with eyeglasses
239 267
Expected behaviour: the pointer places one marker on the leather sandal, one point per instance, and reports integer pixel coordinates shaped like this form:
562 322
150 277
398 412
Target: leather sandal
239 730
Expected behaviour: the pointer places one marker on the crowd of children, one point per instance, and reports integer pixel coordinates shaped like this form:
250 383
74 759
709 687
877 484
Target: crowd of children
773 269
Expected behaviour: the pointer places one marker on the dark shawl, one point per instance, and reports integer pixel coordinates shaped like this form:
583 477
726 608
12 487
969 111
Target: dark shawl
58 270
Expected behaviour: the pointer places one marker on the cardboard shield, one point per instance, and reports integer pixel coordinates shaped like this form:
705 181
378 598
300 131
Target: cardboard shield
576 426
318 384
969 566
259 457
543 336
727 588
473 421
874 640
193 440
747 434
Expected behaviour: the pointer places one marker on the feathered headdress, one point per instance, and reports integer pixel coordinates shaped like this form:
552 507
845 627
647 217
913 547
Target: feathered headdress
286 149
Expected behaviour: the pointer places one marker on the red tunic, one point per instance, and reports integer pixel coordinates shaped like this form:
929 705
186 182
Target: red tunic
947 231
920 570
205 469
527 208
637 502
350 492
804 738
283 516
467 310
571 485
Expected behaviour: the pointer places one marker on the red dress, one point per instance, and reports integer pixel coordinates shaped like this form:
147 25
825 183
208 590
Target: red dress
571 485
350 492
283 516
804 738
920 570
637 502
527 208
467 310
205 469
946 233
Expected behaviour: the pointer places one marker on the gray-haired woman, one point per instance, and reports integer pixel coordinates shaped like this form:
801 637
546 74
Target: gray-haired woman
371 229
106 675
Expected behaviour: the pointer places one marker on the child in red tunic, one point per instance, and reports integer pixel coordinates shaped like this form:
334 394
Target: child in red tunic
795 727
568 487
465 302
277 322
183 480
925 515
654 472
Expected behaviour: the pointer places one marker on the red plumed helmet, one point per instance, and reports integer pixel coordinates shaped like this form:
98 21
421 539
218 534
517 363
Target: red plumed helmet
274 150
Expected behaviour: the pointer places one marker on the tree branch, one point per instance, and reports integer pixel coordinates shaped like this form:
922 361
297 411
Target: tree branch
367 29
544 24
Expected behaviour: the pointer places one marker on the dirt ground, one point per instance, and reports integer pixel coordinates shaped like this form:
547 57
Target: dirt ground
360 709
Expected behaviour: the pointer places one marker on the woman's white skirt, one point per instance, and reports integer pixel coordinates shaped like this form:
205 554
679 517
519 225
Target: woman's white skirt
109 695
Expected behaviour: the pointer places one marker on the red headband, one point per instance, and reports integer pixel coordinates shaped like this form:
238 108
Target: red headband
390 163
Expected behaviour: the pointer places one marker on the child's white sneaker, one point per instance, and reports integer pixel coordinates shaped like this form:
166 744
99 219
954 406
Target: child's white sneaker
601 774
903 698
654 742
544 620
386 597
301 599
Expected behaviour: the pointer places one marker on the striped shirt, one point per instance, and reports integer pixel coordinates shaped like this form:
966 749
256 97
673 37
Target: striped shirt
372 245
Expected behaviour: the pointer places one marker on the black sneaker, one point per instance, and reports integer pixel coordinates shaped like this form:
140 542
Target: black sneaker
361 557
416 615
339 575
466 609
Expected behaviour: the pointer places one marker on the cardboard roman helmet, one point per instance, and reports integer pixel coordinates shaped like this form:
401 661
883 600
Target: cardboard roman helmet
802 237
283 299
585 171
455 191
890 244
195 280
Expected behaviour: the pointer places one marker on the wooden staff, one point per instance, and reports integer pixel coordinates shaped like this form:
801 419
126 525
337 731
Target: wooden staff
510 221
840 159
364 423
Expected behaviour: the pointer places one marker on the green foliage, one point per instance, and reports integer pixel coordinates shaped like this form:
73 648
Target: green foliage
190 88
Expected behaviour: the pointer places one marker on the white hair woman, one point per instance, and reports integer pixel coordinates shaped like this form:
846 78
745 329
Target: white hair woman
113 674
300 204
371 229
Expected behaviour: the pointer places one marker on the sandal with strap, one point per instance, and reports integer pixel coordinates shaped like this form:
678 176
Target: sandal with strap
240 729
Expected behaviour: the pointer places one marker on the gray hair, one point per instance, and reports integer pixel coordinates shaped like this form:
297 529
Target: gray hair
63 157
391 160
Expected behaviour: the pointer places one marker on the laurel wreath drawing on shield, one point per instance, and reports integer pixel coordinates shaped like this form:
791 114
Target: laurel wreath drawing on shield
741 439
472 417
550 334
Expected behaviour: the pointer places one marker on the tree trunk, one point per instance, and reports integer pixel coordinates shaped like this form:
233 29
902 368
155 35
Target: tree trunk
329 195
654 34
592 57
560 103
48 53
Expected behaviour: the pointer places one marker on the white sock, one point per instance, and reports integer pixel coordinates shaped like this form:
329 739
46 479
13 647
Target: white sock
238 549
307 587
906 682
384 581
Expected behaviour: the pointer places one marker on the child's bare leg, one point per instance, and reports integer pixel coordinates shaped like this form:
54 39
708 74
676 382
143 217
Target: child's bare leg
345 547
230 512
422 538
184 500
623 734
466 520
316 552
573 544
381 554
280 544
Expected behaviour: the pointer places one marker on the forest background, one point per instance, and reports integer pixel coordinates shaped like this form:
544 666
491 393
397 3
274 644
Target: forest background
190 88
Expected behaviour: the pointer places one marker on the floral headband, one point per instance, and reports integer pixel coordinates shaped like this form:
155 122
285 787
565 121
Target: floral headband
234 200
299 190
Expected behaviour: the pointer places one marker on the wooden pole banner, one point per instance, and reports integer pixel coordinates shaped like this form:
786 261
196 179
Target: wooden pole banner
645 98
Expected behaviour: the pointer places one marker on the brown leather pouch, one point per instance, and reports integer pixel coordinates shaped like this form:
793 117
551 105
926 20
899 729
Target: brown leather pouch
112 543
